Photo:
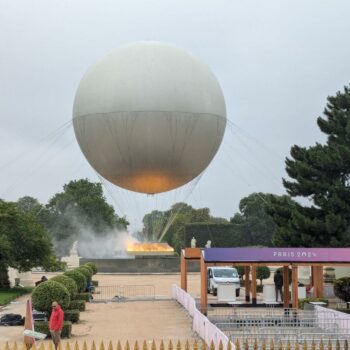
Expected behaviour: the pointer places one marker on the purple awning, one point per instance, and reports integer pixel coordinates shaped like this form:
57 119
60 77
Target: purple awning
324 255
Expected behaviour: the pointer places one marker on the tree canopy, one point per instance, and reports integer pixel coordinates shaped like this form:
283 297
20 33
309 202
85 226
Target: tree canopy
320 174
24 243
81 205
172 222
254 221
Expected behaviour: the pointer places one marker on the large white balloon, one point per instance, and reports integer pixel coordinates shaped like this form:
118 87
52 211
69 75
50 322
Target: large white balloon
149 117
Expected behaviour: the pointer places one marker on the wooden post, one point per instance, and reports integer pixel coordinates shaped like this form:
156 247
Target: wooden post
315 281
246 283
319 277
295 286
183 268
204 286
285 286
254 284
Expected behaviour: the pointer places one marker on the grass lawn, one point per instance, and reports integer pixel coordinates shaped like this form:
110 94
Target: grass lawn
7 295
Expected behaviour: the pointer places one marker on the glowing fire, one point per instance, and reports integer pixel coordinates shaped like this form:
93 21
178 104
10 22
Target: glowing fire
150 248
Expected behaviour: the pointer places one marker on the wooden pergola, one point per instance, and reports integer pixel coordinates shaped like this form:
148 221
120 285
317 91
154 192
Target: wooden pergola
251 258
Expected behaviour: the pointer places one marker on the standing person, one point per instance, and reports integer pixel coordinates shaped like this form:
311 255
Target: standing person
278 279
56 323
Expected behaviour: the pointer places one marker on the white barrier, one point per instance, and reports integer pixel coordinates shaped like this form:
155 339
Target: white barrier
338 318
201 324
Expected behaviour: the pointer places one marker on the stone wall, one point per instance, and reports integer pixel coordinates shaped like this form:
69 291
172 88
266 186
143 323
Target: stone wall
142 264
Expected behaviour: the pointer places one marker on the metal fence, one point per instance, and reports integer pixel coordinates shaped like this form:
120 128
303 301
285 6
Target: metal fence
291 326
120 293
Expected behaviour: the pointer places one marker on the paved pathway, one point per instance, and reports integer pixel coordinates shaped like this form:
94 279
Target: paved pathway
134 320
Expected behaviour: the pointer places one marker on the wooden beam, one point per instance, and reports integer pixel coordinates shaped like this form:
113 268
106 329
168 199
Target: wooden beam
295 286
246 283
192 253
204 285
183 269
285 286
254 284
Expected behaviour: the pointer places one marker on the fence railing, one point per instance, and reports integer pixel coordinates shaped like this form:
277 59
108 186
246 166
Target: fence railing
252 344
201 324
123 292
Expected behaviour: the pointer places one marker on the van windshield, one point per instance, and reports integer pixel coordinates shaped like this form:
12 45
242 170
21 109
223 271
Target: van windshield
226 273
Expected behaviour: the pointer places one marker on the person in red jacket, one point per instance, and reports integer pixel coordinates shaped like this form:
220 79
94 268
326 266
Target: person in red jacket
56 323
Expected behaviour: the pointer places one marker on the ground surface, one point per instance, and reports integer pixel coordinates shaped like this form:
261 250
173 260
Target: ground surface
141 320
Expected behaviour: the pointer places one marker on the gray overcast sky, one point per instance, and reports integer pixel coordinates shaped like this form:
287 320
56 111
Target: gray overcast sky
276 61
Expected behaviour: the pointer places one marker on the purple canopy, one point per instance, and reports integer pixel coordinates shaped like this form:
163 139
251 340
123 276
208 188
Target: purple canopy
324 255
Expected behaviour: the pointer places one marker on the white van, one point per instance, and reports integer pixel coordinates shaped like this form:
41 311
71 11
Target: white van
224 275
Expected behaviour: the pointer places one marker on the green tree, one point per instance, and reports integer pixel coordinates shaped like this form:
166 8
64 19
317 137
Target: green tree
321 175
170 224
24 243
81 205
254 220
262 273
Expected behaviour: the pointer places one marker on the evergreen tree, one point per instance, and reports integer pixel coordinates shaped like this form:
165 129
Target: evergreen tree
320 174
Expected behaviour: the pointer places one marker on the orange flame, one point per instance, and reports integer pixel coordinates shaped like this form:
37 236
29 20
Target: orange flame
150 247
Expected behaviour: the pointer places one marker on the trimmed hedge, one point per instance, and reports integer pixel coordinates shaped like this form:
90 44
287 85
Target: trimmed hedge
95 283
93 267
220 235
79 279
77 304
72 315
307 300
47 292
82 296
43 327
68 282
342 288
86 272
89 268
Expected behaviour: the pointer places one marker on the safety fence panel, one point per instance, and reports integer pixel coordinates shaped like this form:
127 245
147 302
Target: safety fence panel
201 324
120 293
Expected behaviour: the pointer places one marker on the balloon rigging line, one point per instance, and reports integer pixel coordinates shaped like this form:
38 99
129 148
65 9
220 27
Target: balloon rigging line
170 222
50 135
34 164
263 167
245 133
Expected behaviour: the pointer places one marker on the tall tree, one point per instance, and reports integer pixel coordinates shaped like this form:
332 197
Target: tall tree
321 175
80 207
254 220
172 222
24 243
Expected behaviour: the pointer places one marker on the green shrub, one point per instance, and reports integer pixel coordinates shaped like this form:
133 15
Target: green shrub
88 267
346 311
92 266
308 300
68 282
259 288
262 273
82 296
342 288
43 327
86 272
79 279
47 292
95 283
72 315
77 304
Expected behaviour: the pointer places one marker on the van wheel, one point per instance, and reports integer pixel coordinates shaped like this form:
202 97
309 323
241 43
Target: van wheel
237 292
215 292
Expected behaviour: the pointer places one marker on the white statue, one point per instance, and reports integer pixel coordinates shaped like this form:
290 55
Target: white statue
193 242
208 245
74 250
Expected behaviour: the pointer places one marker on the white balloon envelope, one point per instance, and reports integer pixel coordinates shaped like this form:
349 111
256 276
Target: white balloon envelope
149 117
